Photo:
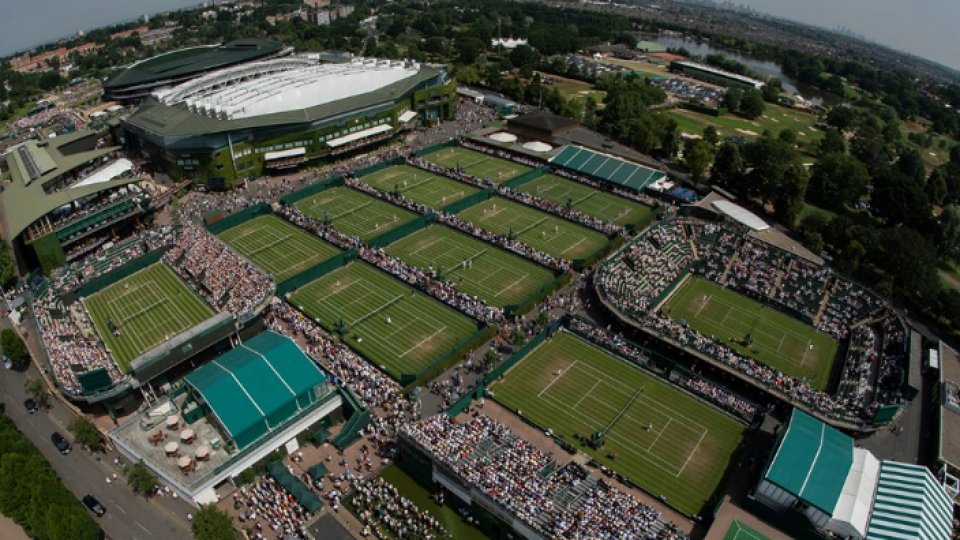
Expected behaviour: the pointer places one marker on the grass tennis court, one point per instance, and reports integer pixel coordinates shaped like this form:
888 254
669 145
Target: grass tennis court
477 163
498 277
275 245
739 531
548 233
419 186
393 326
590 200
776 339
355 213
141 311
664 440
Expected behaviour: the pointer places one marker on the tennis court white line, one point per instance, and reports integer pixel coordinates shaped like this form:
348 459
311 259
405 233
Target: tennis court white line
510 286
421 342
558 377
427 245
664 428
695 448
587 393
580 241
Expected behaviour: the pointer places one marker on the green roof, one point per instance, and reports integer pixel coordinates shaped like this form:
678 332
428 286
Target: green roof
812 462
25 201
178 120
258 386
192 61
909 504
607 168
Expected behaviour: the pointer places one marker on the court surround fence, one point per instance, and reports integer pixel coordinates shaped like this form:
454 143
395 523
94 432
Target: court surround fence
315 272
243 216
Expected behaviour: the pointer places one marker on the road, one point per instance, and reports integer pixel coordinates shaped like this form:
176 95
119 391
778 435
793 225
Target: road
129 516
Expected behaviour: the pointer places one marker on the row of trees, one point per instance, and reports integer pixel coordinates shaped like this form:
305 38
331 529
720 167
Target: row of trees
32 495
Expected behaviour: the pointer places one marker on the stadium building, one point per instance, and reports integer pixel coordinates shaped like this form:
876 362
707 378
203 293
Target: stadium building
141 78
240 122
714 75
846 492
67 196
230 413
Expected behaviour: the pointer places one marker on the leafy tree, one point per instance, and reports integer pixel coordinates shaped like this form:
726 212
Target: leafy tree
837 180
841 117
140 478
711 135
14 348
868 146
788 136
752 105
84 432
698 155
523 56
728 166
211 523
899 200
772 90
731 100
776 175
950 232
468 49
8 268
832 142
937 187
37 390
911 164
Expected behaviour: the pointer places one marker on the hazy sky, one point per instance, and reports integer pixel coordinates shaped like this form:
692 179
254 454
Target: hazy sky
928 28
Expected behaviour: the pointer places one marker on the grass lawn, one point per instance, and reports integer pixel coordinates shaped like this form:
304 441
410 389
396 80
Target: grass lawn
590 200
574 89
147 308
664 440
419 186
775 118
277 246
477 163
498 277
548 233
778 340
390 324
354 212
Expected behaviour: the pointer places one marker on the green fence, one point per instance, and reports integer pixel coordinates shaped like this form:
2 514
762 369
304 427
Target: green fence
311 190
110 278
454 355
468 201
557 282
237 218
314 272
393 235
528 176
358 420
434 148
379 166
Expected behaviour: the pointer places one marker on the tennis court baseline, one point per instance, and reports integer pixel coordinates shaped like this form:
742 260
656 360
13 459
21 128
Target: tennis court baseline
419 186
477 164
279 247
498 277
664 440
590 200
354 213
390 324
754 330
142 310
548 233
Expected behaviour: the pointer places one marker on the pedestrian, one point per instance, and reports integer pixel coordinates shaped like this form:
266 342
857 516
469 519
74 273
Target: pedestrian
189 516
109 481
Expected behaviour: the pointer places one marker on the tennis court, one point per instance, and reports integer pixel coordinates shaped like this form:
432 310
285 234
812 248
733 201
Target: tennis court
390 324
277 246
590 200
754 330
354 213
477 164
664 440
143 310
498 277
739 531
419 186
548 233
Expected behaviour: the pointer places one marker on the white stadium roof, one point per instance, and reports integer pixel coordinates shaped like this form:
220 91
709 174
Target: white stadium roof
283 84
741 214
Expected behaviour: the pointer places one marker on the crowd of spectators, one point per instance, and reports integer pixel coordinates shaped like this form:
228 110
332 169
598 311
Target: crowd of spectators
226 280
385 513
72 344
517 476
266 510
640 273
699 386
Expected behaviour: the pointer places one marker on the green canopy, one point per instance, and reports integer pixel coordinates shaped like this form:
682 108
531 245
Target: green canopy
318 471
307 498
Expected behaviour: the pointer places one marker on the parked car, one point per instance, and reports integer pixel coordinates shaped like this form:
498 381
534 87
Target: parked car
94 505
62 444
31 406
